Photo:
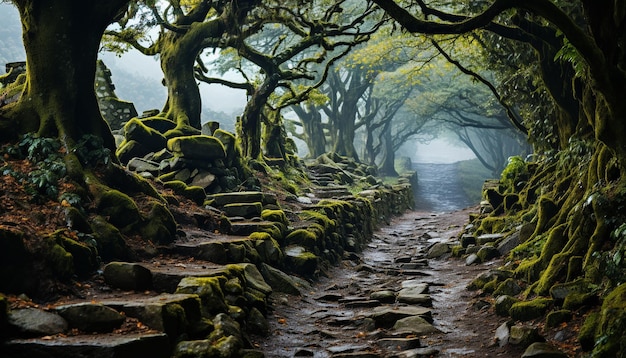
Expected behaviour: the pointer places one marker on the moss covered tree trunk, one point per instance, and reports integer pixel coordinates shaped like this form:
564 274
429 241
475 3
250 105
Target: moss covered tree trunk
249 128
178 56
61 39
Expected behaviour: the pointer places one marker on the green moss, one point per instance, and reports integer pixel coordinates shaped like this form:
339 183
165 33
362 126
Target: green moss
527 310
555 318
611 334
490 286
178 186
509 287
458 251
490 225
120 209
110 242
503 305
319 218
275 216
260 236
208 289
587 333
302 237
159 225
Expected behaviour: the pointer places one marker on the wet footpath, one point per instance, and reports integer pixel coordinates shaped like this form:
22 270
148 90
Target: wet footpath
402 296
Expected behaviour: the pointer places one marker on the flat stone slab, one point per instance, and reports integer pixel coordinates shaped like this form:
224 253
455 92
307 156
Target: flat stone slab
94 346
414 295
386 316
165 277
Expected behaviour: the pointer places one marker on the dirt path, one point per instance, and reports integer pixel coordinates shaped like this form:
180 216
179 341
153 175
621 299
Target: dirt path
339 317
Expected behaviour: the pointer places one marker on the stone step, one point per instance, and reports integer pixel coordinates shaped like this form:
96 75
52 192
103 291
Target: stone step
132 345
222 199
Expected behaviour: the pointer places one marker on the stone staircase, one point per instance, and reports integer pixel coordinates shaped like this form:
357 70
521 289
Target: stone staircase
206 294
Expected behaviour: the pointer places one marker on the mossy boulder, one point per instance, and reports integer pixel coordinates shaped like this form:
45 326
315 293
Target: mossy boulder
527 310
194 193
201 147
503 305
555 318
229 142
151 139
127 276
509 287
208 289
610 332
119 208
302 237
60 262
159 225
84 256
301 261
110 242
130 149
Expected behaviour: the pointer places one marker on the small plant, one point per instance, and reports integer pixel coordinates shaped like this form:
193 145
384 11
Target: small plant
90 151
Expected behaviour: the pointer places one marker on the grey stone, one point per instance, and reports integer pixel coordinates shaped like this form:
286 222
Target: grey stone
282 282
254 279
387 316
472 259
467 240
91 317
437 250
127 276
143 165
486 238
222 199
543 350
414 295
503 304
509 243
101 345
502 334
487 253
257 323
385 296
415 284
203 179
413 325
36 322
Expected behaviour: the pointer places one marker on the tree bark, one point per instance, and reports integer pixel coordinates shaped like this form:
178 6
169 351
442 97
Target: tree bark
61 39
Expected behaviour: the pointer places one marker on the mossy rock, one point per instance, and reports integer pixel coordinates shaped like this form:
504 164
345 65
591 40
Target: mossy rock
509 287
130 149
194 193
574 300
528 310
610 335
208 289
120 209
277 216
159 225
246 210
60 262
197 147
555 318
77 220
587 333
151 139
193 349
490 286
300 261
269 250
487 253
503 305
159 124
84 256
302 237
110 242
490 225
